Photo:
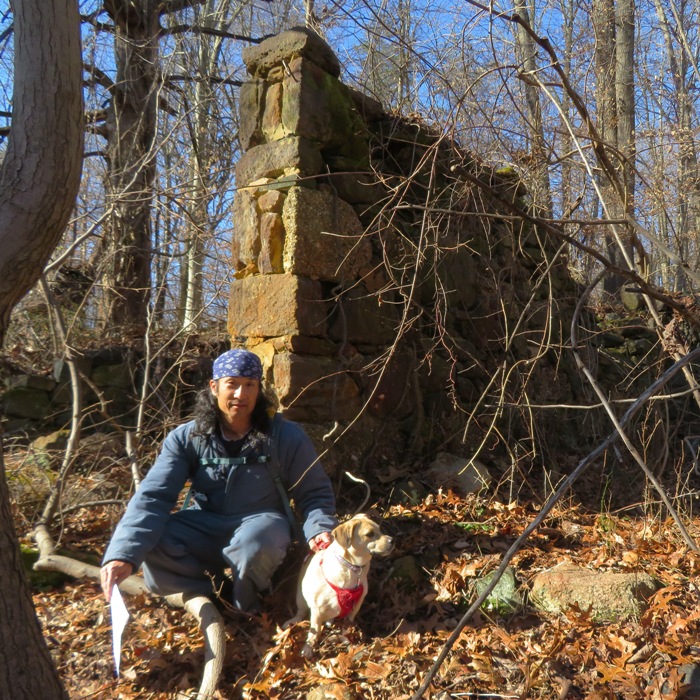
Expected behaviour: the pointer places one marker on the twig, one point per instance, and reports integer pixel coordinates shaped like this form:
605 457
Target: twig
367 489
132 455
42 536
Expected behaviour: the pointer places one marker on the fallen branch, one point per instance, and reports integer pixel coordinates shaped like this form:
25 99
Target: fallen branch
212 626
134 585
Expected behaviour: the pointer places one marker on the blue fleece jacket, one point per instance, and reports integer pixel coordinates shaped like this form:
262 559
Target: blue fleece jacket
224 489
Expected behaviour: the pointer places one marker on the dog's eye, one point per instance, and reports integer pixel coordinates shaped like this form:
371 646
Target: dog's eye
371 535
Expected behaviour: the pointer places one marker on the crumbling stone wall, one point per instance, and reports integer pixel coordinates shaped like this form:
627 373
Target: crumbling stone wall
361 238
381 272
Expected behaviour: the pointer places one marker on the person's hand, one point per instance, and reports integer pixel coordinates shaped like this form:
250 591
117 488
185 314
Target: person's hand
320 541
114 572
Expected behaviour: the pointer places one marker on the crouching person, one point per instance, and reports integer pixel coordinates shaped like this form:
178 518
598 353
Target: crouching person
239 517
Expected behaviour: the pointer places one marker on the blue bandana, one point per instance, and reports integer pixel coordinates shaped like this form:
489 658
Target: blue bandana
237 363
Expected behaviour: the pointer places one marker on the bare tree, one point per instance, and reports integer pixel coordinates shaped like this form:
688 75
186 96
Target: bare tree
538 146
39 180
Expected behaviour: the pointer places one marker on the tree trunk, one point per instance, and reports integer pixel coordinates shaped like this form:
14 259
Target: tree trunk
603 16
625 101
542 198
131 129
688 172
39 181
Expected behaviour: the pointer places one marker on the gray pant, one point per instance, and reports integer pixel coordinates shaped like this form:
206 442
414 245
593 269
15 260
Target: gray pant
197 546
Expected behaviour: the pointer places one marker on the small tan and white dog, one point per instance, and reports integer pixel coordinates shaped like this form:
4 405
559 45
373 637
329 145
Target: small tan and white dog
334 581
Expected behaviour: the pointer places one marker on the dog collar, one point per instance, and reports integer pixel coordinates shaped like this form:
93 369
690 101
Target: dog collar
355 568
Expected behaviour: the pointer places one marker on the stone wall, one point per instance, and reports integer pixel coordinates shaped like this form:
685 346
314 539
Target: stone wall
384 278
111 382
339 266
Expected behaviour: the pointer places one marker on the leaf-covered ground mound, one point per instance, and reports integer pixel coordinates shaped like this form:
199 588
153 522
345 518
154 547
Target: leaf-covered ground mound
417 598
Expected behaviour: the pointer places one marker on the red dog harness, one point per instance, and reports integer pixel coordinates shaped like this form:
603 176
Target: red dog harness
347 597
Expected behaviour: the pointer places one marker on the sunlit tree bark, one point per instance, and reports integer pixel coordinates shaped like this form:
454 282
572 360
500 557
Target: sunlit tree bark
39 182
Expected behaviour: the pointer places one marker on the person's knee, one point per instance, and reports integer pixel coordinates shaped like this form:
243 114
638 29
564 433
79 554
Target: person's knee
257 554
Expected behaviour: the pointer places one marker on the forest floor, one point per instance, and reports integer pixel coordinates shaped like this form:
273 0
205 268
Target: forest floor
404 623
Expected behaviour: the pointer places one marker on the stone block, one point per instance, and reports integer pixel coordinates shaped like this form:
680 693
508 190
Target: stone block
272 126
288 156
367 106
44 445
363 320
505 598
391 387
30 381
250 106
61 370
245 245
461 474
302 345
266 306
298 41
117 376
271 243
353 180
324 238
607 595
318 106
21 402
271 201
314 388
356 187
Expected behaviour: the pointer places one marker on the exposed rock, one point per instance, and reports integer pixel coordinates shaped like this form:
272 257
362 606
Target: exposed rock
610 596
323 236
461 474
275 305
26 403
505 598
299 41
407 570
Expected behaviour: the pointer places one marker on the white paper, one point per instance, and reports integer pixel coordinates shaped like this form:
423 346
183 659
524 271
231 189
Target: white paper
120 616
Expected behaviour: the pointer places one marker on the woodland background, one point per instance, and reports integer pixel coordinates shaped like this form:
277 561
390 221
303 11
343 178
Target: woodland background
593 107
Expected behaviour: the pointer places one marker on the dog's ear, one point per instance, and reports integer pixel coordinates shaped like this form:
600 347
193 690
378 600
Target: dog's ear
344 532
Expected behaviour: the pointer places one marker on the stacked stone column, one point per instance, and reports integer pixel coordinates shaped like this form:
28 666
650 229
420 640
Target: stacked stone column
299 245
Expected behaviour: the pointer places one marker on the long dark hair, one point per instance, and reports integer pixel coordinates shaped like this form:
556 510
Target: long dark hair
207 413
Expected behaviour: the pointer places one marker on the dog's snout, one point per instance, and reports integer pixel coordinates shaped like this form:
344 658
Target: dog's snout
382 546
